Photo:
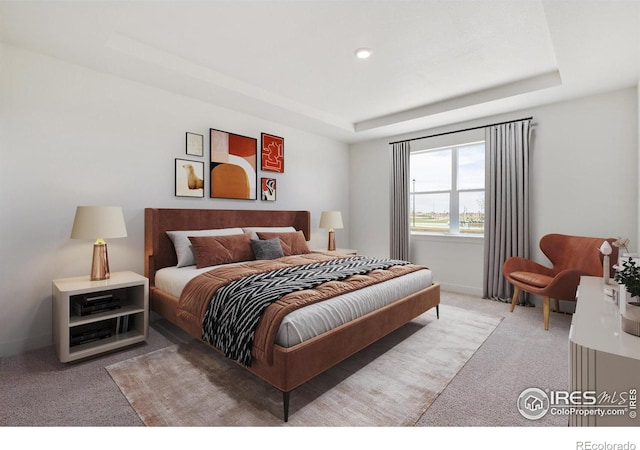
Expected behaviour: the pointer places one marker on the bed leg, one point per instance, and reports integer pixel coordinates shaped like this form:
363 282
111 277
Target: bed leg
438 311
285 405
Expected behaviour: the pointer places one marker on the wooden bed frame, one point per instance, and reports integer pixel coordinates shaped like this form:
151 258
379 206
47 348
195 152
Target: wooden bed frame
292 366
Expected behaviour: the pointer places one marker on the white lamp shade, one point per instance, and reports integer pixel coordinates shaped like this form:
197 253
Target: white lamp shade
92 222
331 219
605 248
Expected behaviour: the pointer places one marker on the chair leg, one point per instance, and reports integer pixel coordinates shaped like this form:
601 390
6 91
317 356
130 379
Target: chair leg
545 312
516 292
556 305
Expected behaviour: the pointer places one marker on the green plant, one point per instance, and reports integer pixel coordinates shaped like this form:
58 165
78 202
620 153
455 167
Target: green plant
629 275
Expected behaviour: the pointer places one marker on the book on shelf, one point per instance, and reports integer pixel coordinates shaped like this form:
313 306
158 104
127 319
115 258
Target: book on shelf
89 299
122 324
103 305
92 332
90 336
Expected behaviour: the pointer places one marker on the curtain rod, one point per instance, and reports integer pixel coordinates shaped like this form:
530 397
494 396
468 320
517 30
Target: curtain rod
460 131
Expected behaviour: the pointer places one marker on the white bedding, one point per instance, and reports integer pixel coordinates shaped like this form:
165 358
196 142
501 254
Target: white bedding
315 319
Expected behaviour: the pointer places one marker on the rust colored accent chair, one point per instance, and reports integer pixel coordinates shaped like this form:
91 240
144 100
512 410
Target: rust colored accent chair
571 257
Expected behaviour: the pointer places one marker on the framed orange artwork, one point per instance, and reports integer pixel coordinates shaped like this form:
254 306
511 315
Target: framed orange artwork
233 166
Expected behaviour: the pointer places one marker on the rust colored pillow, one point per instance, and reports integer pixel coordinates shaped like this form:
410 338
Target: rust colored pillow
215 250
292 243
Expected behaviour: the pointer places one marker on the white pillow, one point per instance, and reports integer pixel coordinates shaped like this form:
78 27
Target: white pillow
255 230
182 244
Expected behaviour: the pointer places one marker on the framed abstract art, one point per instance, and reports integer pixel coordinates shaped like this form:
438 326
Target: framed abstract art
272 153
233 166
195 144
268 189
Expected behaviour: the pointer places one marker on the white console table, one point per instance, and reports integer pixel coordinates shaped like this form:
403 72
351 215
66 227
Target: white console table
602 357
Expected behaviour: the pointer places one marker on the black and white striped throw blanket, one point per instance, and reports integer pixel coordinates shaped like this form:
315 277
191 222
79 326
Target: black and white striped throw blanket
235 310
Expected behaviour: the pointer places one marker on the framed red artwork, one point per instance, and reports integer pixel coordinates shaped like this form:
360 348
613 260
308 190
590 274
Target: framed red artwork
272 153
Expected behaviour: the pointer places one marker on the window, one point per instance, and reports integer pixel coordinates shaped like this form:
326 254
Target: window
447 190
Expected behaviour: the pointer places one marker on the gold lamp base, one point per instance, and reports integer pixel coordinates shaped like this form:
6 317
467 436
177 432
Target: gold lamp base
332 240
100 264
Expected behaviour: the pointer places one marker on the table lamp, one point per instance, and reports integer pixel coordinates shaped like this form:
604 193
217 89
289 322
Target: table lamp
99 222
331 220
606 250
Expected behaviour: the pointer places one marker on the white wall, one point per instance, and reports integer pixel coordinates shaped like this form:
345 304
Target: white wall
584 169
71 136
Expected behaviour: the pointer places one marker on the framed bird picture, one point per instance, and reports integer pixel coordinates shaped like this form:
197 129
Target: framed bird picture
189 176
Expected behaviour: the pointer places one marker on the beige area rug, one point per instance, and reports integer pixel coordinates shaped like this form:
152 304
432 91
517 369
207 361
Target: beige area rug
390 383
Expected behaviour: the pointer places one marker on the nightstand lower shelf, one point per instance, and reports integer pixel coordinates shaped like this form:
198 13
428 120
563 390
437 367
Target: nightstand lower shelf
104 345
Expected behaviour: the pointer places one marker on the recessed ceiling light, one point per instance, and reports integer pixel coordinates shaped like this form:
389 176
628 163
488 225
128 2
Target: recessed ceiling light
363 53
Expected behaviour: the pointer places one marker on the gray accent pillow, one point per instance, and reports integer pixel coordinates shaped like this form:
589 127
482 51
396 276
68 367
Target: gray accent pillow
267 249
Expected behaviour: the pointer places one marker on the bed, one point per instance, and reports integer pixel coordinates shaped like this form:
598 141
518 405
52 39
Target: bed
286 351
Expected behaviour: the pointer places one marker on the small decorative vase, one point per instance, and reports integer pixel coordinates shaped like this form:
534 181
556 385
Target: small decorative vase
623 298
630 319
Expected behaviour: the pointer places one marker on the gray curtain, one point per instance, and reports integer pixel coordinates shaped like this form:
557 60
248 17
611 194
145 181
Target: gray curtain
400 201
506 203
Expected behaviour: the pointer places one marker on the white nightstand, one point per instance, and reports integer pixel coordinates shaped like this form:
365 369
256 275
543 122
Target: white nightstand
337 251
93 317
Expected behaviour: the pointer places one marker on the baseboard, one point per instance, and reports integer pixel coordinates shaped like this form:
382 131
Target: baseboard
460 289
13 348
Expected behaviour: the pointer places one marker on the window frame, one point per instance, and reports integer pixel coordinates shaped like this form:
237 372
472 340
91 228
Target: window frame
454 192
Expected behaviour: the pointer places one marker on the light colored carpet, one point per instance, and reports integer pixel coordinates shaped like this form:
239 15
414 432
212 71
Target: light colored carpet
391 383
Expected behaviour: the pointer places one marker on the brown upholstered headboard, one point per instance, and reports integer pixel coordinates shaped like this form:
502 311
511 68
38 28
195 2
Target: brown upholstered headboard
158 248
